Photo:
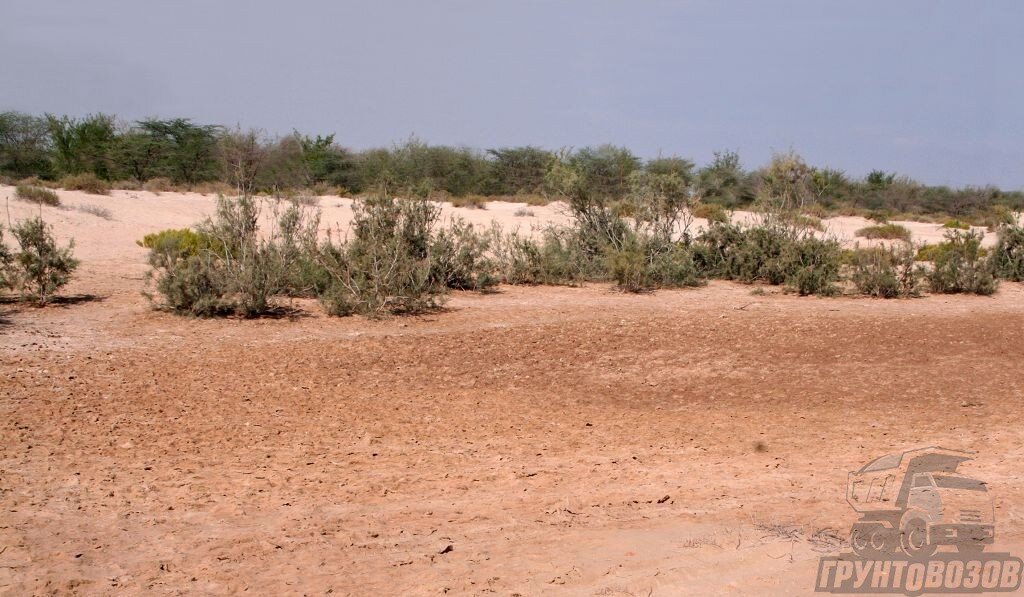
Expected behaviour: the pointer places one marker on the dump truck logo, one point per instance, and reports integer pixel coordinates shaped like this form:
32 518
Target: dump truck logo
923 528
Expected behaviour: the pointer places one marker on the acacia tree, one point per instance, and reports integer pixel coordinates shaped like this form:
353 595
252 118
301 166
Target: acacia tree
82 145
723 181
605 169
24 145
327 162
140 154
192 148
518 169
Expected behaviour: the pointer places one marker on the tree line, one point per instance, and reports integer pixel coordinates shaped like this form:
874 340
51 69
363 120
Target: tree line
187 153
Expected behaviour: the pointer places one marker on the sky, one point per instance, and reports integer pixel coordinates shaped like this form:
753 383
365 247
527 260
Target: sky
928 88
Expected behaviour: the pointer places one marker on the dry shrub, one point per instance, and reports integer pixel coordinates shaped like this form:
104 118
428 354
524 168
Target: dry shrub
87 182
469 201
126 185
35 181
712 212
95 210
160 184
885 232
213 188
37 195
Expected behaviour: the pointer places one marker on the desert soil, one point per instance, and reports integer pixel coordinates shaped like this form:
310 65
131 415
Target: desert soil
533 441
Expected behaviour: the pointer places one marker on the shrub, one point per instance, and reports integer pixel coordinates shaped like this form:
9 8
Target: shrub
886 232
929 252
523 212
6 259
647 262
469 201
712 212
1008 254
158 185
956 224
998 215
386 266
554 259
41 267
531 199
731 252
806 221
811 266
212 188
933 252
35 181
886 272
961 267
95 210
36 195
457 258
227 266
87 182
183 242
771 253
878 216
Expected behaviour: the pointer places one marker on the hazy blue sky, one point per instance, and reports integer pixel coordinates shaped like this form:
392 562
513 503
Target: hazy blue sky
930 88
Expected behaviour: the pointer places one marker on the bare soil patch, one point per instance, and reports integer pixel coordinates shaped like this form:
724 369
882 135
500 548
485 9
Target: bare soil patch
534 441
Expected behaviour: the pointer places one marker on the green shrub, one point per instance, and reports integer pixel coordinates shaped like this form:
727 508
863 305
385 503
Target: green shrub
731 252
928 252
227 266
458 258
712 212
87 182
961 267
556 258
956 225
772 253
886 272
36 195
933 252
886 232
41 267
517 257
811 266
386 266
1008 255
183 242
648 262
6 260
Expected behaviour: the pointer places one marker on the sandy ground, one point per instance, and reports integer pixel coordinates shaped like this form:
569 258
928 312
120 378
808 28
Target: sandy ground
534 441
